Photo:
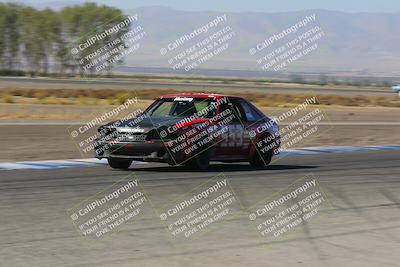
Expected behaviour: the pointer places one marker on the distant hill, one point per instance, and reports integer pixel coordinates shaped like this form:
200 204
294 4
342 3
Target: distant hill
356 43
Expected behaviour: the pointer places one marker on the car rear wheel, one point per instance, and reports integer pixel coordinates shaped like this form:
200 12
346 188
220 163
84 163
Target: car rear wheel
119 163
262 159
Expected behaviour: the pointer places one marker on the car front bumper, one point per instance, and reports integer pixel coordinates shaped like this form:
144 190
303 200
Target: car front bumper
156 151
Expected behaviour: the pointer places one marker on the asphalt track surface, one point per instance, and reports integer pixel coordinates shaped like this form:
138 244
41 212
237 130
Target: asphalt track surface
361 227
193 86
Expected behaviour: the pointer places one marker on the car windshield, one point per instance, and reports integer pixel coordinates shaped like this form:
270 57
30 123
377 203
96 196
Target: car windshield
183 107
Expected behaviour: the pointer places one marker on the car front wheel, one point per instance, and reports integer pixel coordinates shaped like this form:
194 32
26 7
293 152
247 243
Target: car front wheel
200 162
119 163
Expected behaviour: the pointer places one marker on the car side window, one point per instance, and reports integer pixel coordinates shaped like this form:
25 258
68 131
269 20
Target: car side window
232 106
250 113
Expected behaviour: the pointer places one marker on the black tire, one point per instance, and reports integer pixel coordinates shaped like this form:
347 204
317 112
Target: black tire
123 164
200 162
262 160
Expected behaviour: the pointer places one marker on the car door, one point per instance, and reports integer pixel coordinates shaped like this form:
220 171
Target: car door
233 141
251 119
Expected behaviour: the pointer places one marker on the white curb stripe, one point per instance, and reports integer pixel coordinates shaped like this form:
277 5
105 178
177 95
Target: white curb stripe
55 164
75 163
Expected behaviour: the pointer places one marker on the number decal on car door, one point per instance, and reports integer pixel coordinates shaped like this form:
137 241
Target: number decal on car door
233 137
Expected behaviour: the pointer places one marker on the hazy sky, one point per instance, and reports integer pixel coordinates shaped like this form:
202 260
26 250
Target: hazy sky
239 5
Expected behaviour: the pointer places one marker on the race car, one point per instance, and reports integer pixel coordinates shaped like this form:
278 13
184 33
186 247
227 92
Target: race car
396 88
191 130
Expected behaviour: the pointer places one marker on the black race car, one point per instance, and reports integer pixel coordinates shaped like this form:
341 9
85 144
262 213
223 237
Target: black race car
191 130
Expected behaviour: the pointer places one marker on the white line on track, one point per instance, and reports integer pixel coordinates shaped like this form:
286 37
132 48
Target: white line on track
75 163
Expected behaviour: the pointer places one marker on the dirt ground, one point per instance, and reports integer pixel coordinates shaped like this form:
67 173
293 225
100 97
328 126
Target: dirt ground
76 113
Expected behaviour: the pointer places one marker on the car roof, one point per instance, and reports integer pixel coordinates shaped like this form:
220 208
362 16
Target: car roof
196 95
